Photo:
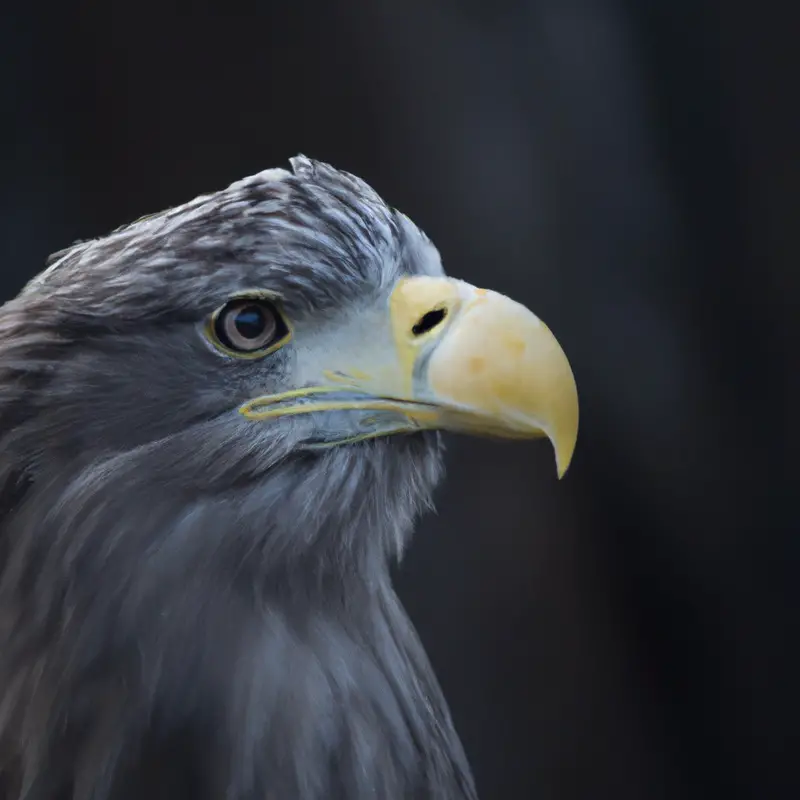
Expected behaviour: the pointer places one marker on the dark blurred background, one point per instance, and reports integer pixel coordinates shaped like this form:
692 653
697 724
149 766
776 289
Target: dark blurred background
629 170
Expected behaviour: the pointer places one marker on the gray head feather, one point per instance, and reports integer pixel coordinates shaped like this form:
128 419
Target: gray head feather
174 576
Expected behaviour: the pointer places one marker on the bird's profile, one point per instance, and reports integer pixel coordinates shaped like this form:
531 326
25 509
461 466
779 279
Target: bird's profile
218 426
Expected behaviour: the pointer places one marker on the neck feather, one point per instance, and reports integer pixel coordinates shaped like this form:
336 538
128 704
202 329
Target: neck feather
246 641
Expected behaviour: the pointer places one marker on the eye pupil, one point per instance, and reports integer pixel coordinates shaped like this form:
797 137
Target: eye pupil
250 322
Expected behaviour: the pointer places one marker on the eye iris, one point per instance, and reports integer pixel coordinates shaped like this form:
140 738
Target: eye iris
248 327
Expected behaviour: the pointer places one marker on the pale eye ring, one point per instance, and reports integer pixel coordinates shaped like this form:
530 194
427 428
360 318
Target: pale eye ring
248 326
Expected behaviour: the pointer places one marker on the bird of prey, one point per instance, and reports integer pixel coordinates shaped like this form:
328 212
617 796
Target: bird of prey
219 424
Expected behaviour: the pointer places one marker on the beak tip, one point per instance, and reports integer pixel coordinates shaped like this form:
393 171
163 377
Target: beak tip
564 454
565 433
562 465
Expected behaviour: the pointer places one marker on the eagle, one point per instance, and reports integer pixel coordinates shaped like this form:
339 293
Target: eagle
219 425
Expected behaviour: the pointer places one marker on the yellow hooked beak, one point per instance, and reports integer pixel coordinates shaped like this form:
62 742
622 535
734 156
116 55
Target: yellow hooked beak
453 357
496 369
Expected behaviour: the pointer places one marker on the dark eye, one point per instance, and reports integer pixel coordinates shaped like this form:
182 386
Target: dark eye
249 326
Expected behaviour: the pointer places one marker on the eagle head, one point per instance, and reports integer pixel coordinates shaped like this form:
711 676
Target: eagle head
218 425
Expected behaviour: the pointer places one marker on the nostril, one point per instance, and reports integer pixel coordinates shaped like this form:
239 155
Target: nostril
429 321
